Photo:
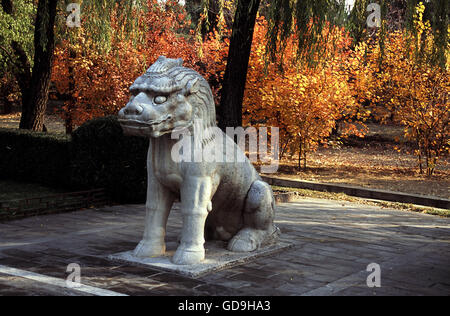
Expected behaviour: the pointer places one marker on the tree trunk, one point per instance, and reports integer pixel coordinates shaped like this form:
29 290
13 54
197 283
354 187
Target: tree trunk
300 155
71 99
232 95
284 147
23 74
4 92
34 102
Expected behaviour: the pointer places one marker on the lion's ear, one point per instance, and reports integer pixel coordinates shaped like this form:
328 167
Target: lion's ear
192 87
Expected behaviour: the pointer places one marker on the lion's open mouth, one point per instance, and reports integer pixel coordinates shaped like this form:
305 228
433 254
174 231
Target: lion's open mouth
130 123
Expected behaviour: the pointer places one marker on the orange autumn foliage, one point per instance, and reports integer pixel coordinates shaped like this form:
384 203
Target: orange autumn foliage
304 101
404 88
95 83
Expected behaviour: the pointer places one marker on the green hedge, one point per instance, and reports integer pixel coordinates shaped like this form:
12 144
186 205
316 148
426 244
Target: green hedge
34 157
102 157
97 155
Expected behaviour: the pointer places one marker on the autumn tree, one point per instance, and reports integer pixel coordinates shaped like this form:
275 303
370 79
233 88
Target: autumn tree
16 48
95 81
286 17
86 57
280 13
32 70
304 101
408 87
421 100
35 68
207 15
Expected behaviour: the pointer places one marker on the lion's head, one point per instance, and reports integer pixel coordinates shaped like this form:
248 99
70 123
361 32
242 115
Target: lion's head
166 98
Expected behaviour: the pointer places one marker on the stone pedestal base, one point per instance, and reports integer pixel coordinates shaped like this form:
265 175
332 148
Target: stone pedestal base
217 258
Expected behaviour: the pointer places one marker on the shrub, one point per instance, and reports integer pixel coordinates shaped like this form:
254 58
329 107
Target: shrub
306 102
102 157
34 157
97 156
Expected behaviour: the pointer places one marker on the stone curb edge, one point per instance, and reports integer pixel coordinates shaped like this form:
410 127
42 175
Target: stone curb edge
359 192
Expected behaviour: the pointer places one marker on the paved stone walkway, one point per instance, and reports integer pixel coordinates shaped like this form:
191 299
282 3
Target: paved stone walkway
334 242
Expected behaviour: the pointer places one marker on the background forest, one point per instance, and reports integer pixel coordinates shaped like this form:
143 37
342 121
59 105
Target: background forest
355 104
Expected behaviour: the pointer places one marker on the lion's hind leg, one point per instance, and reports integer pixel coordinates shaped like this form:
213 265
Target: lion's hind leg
258 229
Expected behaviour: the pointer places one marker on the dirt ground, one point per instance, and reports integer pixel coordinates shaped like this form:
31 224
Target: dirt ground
53 123
370 163
372 167
382 161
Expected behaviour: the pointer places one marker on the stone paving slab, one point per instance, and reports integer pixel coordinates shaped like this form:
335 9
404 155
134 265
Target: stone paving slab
333 243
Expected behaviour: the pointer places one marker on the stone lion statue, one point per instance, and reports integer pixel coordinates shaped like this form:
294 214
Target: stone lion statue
219 200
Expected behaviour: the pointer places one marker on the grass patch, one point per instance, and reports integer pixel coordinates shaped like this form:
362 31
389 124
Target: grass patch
348 198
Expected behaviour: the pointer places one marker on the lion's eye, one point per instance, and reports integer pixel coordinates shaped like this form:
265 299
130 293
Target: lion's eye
160 99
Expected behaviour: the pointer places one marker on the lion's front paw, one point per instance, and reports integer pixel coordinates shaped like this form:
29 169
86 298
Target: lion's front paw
188 256
146 249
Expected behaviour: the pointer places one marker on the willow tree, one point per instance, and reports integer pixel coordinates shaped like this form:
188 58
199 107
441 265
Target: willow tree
16 45
33 70
306 20
281 15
